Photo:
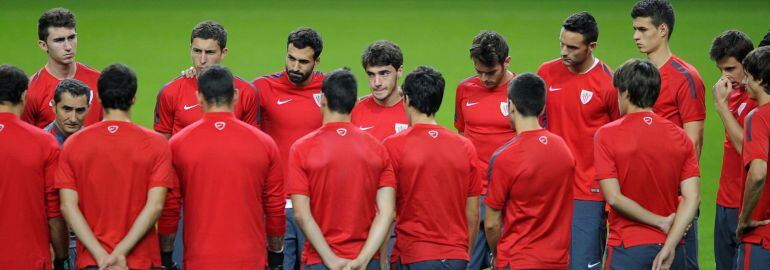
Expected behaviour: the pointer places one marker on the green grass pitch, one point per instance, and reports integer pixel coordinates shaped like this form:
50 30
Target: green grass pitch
152 37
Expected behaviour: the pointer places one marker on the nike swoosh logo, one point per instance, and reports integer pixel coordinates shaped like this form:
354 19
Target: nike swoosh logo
593 265
281 102
551 89
187 107
367 128
468 103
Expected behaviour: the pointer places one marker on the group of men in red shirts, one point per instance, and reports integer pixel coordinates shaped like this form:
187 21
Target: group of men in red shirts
293 171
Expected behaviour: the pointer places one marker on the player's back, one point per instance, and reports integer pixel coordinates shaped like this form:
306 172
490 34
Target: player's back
38 109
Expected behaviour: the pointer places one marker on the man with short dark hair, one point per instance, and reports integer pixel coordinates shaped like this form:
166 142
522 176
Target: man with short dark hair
732 104
382 112
70 104
31 221
113 177
481 113
531 182
57 37
682 92
232 178
341 184
580 99
290 103
641 180
753 230
438 205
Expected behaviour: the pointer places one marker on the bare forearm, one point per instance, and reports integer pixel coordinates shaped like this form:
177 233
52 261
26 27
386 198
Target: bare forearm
377 234
59 237
753 189
685 213
79 225
694 130
472 215
492 228
142 224
313 234
629 208
386 243
733 128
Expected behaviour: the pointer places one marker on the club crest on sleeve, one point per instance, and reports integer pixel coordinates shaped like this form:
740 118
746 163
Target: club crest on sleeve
2 127
317 98
433 133
219 125
647 120
741 108
504 108
342 131
401 127
585 96
543 139
112 129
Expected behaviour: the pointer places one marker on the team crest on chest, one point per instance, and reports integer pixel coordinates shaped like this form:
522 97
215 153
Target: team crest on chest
342 131
2 127
741 108
504 108
112 129
401 127
647 120
219 125
543 139
585 96
317 98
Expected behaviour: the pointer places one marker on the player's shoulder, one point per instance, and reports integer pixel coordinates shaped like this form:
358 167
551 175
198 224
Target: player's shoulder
240 83
37 76
683 70
36 132
603 69
268 78
173 86
472 81
87 70
549 65
611 126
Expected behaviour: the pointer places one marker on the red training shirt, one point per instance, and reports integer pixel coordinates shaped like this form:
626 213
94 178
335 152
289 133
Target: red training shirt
755 146
732 178
378 120
681 98
38 110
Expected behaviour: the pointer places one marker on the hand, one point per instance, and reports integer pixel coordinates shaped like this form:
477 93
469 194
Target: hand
666 223
721 90
356 265
189 72
336 263
664 259
114 262
750 224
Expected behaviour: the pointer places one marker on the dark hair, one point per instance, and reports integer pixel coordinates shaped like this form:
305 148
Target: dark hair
641 79
659 11
117 87
382 53
731 43
303 37
583 23
425 89
765 40
210 30
55 17
527 92
216 85
489 48
13 83
74 87
757 63
340 89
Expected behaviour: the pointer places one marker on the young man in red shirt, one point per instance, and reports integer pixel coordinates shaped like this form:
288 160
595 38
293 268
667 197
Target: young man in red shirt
531 182
682 92
341 184
225 166
31 219
382 112
113 177
641 180
290 107
580 99
57 37
435 230
732 103
481 113
753 230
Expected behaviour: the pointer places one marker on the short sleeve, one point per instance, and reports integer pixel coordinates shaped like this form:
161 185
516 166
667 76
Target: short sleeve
297 181
476 171
387 175
249 102
459 118
164 111
604 161
51 164
65 175
500 181
690 97
163 174
755 138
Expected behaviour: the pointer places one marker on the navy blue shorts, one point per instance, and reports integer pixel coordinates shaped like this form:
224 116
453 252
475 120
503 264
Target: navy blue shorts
641 257
434 264
373 265
725 243
752 257
589 235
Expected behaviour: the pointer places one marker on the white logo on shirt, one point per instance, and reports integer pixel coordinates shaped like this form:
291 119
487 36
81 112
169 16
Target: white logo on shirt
647 120
401 127
468 103
504 108
592 265
281 102
2 127
433 133
342 131
187 107
551 89
366 128
317 98
585 96
219 125
112 129
741 108
543 139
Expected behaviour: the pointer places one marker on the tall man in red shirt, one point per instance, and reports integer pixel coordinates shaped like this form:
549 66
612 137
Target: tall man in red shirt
436 230
580 99
290 103
30 205
682 93
481 113
382 112
732 103
226 166
341 184
641 180
531 182
113 177
753 230
57 37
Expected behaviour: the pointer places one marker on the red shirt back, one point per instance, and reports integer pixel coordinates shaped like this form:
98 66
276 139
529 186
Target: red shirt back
27 198
576 106
378 120
177 105
231 178
649 156
340 168
756 146
112 165
437 170
38 109
531 182
681 98
482 116
732 177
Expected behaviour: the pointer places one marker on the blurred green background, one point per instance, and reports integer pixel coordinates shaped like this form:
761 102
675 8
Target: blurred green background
152 37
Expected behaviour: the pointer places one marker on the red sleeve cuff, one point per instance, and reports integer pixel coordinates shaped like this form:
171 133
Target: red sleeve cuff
693 118
600 177
161 129
492 204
